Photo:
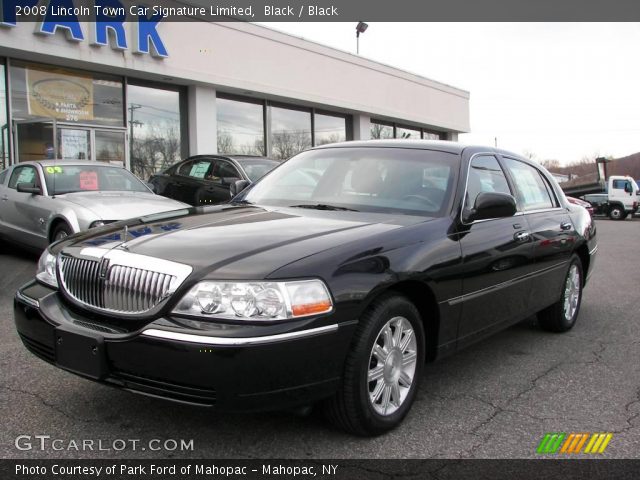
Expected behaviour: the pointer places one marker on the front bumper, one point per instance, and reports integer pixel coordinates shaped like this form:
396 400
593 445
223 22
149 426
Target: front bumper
241 368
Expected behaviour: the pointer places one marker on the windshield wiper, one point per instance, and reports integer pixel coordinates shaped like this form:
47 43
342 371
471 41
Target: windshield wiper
323 206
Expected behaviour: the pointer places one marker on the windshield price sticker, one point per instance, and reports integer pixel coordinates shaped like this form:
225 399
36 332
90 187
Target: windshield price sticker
88 181
53 170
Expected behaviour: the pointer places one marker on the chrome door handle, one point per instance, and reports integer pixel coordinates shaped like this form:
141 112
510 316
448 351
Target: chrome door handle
522 236
565 226
5 197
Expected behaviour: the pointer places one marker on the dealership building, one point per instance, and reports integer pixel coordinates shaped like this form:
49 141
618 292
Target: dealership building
147 95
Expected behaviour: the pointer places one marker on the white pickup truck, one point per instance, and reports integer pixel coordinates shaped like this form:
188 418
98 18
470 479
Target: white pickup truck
620 199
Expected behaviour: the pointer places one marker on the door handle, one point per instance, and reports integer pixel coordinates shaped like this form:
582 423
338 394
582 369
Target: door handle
5 197
522 236
565 226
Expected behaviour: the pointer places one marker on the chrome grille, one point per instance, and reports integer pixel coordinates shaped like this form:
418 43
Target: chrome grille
119 287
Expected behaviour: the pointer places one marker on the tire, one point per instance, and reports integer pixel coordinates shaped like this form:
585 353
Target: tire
562 315
617 213
352 408
61 231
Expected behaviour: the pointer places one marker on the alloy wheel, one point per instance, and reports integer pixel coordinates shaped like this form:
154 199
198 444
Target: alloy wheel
572 292
392 366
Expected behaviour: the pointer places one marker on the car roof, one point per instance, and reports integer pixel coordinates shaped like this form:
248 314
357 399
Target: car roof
47 163
440 145
230 157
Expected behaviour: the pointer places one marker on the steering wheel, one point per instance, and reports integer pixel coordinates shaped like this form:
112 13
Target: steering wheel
422 199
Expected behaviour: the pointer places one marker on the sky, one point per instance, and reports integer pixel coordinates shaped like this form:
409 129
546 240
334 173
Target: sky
561 91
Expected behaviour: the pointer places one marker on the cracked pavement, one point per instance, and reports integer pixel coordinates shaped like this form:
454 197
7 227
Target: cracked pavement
495 399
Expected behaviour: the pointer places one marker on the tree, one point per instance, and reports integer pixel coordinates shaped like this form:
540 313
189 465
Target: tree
285 144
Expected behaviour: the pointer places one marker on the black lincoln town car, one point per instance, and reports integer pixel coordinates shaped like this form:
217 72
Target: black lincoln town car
331 280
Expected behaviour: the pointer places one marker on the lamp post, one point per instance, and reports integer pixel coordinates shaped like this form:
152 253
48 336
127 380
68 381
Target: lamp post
132 123
360 28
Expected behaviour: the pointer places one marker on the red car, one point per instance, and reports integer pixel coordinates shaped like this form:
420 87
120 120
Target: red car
582 203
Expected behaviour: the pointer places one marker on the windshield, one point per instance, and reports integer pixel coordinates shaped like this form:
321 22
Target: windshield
402 180
65 178
256 168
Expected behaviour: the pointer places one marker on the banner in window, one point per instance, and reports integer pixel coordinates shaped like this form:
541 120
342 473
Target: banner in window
59 95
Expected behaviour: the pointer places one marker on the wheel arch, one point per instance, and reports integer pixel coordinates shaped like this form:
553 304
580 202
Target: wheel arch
421 295
54 224
583 253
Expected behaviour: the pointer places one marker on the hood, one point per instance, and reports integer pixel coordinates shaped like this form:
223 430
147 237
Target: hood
241 242
122 205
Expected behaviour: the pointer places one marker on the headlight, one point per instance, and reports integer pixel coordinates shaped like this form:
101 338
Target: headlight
256 300
47 269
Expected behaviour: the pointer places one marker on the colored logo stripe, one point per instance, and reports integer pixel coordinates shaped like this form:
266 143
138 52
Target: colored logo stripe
574 443
560 442
598 442
551 442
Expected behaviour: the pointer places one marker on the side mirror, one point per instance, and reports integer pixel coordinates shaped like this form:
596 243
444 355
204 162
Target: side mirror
29 188
228 180
627 188
491 205
238 186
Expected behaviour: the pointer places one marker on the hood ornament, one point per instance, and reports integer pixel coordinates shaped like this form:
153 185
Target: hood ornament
125 234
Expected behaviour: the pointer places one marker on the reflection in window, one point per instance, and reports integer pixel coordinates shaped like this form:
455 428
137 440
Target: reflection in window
329 129
485 175
39 91
408 133
154 129
110 146
380 131
4 127
240 127
428 135
290 132
531 188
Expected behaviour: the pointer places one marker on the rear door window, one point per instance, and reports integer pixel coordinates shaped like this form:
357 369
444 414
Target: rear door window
531 189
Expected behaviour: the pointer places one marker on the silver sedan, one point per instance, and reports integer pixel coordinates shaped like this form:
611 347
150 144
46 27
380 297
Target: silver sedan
44 201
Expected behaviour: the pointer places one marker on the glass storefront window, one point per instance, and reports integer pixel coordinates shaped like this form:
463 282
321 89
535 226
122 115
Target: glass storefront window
381 131
408 133
4 126
427 135
240 127
74 144
48 92
153 116
290 132
329 129
110 146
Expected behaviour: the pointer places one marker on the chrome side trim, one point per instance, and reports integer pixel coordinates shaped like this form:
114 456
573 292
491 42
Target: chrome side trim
237 341
28 300
499 286
594 250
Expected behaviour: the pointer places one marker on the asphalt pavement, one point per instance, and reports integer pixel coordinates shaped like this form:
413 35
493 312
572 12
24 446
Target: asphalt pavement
495 399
